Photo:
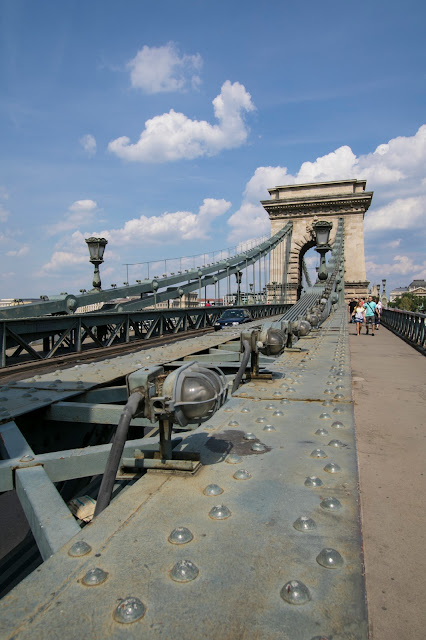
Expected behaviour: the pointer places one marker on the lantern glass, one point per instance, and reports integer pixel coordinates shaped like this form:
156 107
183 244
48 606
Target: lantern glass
96 248
322 231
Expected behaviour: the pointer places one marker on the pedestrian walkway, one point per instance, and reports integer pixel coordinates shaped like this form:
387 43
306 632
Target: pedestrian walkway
389 391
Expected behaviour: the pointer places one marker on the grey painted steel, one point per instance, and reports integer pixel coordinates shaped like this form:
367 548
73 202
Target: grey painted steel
50 520
243 561
105 329
221 269
89 412
409 326
12 442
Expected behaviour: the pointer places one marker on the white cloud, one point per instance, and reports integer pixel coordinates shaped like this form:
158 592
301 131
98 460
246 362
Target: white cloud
402 213
80 212
88 142
61 260
169 227
173 136
18 253
163 69
394 243
401 265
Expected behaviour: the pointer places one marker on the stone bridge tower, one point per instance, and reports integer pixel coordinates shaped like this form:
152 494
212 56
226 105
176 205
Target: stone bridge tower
303 204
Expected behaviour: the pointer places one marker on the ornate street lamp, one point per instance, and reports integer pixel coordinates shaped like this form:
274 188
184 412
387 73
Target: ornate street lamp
322 230
239 276
96 250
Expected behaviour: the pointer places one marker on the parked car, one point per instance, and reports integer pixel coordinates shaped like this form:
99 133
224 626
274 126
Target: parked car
231 318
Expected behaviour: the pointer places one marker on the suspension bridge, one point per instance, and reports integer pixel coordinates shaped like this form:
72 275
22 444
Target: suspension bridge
181 482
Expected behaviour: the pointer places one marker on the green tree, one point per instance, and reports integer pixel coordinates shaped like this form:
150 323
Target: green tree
409 302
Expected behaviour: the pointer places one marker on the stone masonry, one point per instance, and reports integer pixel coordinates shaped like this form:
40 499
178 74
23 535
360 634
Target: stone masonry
303 204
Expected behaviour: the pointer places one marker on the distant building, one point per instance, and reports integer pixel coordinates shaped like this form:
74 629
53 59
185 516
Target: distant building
417 288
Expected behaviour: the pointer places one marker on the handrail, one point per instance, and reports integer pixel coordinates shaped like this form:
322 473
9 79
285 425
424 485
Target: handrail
408 325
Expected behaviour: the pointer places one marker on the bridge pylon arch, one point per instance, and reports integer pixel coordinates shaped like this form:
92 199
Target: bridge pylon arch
303 204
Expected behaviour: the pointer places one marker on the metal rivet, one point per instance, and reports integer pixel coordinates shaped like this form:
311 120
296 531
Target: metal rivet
245 410
219 512
94 577
331 504
295 592
233 458
181 535
269 427
339 386
313 481
332 467
328 392
242 474
277 393
213 490
327 403
285 401
318 453
270 407
258 447
290 380
79 548
339 396
321 432
129 610
336 443
338 425
26 458
184 571
233 423
283 386
291 390
330 559
338 410
249 436
147 357
278 412
325 416
261 419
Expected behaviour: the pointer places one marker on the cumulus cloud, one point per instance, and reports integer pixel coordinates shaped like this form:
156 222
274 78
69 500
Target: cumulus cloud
173 136
163 69
401 265
402 213
80 212
170 227
88 142
18 253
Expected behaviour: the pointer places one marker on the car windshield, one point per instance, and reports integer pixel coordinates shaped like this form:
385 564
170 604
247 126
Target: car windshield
232 313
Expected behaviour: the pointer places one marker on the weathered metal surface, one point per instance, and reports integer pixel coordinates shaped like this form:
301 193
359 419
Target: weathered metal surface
248 564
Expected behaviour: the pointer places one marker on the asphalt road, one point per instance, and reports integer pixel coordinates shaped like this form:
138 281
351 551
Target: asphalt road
389 390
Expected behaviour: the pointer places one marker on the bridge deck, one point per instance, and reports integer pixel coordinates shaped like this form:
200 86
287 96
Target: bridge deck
389 395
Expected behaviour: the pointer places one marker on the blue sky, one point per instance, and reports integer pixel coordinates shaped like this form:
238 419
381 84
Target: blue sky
161 126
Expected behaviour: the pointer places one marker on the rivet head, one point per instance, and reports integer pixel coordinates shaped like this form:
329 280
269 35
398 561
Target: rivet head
249 436
26 458
129 610
313 481
245 410
290 380
285 401
318 453
261 419
325 416
283 386
330 559
219 512
181 535
338 425
332 467
233 458
79 548
339 386
338 410
331 504
336 443
233 423
270 407
304 524
184 571
258 447
213 490
94 577
328 392
339 396
327 403
321 432
277 393
278 412
291 390
242 474
269 427
295 592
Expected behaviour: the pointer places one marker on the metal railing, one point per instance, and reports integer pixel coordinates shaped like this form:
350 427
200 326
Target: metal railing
409 326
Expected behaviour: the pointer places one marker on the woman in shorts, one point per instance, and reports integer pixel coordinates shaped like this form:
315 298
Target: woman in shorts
359 316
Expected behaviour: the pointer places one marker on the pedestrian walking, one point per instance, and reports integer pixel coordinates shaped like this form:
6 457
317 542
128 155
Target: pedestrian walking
379 309
359 316
370 317
352 304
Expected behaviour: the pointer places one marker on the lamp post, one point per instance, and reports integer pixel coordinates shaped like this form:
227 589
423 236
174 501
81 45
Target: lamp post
96 250
274 284
322 230
238 276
